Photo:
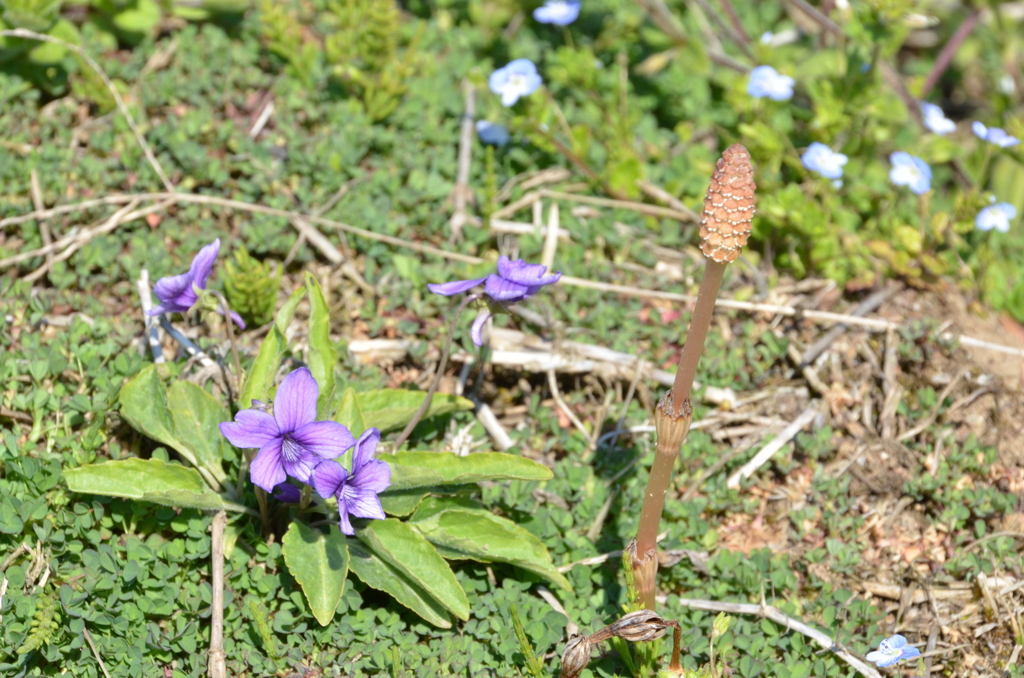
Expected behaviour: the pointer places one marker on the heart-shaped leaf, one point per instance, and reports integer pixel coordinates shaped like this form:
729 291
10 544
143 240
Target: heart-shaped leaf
143 401
197 416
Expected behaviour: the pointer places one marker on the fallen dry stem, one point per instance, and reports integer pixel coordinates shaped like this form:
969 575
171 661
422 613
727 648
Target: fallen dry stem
216 666
825 317
776 615
95 652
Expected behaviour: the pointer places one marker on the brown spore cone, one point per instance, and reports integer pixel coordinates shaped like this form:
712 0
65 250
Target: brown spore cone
728 206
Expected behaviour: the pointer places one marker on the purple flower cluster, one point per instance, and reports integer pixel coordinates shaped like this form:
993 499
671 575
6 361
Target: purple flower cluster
293 444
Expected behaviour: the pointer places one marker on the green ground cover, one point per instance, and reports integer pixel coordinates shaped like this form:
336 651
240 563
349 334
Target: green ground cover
368 99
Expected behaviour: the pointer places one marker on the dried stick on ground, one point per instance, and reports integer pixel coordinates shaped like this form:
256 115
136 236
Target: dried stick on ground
153 162
462 193
37 202
485 415
871 324
776 615
152 335
869 305
216 666
562 405
547 257
95 652
769 450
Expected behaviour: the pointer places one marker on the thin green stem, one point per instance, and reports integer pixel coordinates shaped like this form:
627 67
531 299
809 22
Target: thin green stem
229 325
425 405
243 468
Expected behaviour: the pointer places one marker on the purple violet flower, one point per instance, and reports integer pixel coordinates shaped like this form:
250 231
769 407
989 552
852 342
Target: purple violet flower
892 650
994 135
515 281
558 12
177 292
291 441
356 491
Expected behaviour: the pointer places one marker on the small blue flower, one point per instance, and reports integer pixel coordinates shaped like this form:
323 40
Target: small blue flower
935 120
910 171
766 38
892 650
994 135
765 81
517 79
995 216
821 159
558 12
491 133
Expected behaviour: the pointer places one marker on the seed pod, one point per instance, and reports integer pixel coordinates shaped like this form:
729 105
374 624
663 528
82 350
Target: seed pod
640 626
576 656
728 206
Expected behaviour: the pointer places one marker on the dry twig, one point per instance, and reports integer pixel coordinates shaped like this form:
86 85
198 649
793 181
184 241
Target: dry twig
769 450
777 616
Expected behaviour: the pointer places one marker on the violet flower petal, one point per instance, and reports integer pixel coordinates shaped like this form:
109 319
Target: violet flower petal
328 478
175 294
289 494
361 503
519 271
202 264
238 319
365 448
374 476
476 331
295 402
251 428
325 439
298 462
267 470
344 523
499 289
455 287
